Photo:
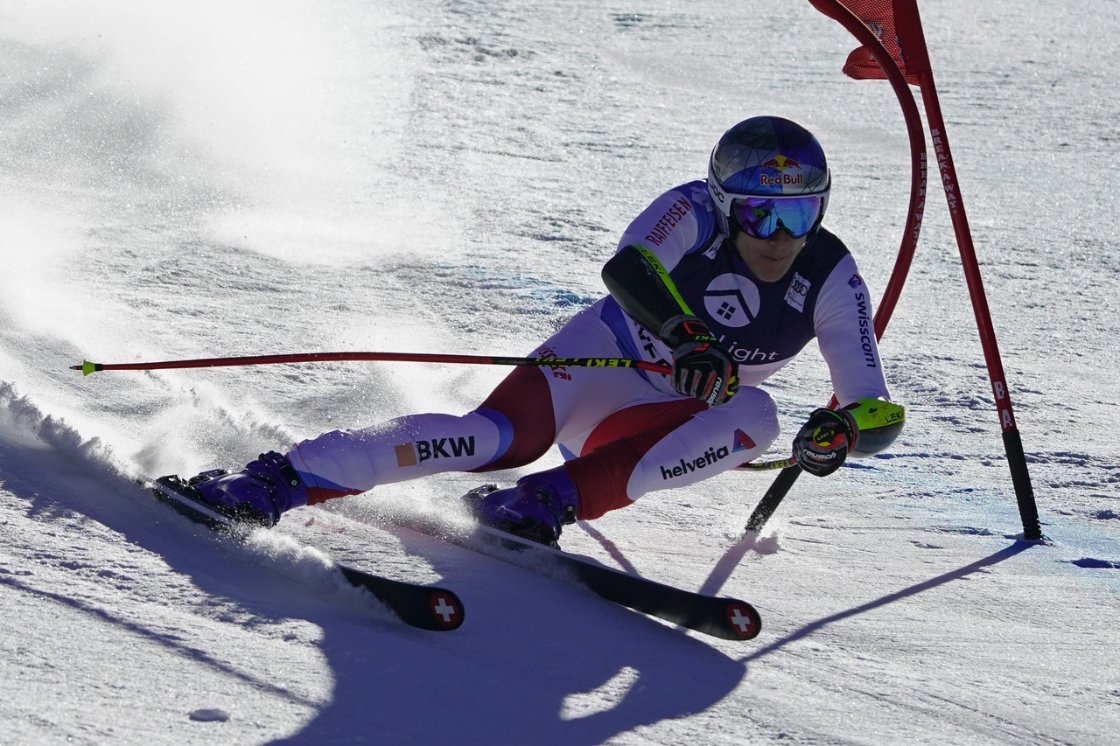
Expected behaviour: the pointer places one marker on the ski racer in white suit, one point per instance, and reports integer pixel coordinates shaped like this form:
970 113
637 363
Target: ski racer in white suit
726 279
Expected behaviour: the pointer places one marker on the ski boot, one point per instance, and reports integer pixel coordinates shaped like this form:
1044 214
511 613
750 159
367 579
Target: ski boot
259 493
535 509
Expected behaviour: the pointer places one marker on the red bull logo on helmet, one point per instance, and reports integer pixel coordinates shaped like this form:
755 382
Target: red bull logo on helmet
782 165
782 180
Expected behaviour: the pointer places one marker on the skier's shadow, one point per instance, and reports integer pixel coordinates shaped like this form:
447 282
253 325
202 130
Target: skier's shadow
735 554
555 666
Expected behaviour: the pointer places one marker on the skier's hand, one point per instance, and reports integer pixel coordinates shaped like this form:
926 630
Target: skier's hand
702 368
824 441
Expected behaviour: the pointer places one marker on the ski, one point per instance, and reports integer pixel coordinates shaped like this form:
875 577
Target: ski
726 618
423 606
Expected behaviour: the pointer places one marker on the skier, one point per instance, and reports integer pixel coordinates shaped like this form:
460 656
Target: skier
727 279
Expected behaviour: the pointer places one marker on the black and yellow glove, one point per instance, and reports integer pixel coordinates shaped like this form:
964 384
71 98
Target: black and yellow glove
702 368
824 441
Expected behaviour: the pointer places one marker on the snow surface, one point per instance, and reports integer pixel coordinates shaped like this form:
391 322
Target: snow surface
190 179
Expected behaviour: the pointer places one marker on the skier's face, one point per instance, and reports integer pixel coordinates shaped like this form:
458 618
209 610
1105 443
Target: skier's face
769 258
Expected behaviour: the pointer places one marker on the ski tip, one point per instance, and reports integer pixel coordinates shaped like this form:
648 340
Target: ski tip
447 611
743 620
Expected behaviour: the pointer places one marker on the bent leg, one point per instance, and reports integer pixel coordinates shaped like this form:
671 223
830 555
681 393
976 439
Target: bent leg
524 402
544 405
686 444
513 427
516 425
346 462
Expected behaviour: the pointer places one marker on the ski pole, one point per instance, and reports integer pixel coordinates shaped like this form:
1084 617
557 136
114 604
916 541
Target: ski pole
88 367
781 463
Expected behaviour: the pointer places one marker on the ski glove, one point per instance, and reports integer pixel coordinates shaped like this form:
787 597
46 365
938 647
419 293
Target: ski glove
702 368
824 441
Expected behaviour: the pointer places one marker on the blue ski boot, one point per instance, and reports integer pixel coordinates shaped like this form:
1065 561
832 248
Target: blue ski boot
259 493
535 509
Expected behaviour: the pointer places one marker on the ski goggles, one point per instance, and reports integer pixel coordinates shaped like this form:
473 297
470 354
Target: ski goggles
762 217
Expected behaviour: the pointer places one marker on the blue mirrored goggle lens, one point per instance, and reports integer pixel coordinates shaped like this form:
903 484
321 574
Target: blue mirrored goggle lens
761 217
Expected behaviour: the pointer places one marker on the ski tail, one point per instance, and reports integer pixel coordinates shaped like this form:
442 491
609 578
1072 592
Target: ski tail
422 606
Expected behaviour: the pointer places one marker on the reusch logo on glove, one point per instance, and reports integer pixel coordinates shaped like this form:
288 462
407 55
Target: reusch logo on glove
716 394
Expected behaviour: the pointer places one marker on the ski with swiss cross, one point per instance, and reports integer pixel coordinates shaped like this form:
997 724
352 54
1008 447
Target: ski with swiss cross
726 618
423 606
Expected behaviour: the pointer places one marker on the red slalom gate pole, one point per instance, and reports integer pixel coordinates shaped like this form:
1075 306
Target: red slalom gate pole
917 61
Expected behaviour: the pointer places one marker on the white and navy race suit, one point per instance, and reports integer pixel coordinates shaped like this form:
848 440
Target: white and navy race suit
627 432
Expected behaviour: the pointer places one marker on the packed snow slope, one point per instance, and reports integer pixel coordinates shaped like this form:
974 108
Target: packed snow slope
194 179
